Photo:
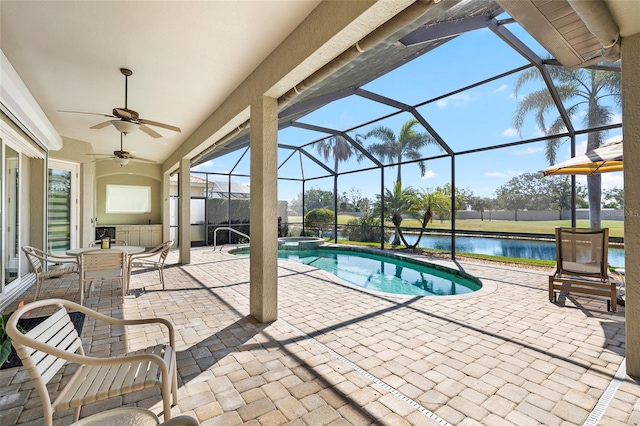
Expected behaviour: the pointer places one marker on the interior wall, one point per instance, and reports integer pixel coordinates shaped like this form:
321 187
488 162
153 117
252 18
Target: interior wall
104 218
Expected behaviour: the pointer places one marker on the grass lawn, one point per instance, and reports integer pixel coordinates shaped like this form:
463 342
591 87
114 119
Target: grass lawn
616 227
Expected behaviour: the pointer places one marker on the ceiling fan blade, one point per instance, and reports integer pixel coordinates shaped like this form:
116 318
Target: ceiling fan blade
150 131
89 113
140 160
101 125
164 126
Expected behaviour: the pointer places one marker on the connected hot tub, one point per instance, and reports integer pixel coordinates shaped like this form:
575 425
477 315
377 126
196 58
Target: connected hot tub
299 243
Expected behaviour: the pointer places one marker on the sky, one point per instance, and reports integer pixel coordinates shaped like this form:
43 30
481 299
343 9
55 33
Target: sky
474 118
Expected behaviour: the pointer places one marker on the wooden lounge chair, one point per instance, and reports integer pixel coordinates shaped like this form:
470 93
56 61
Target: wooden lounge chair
49 346
581 264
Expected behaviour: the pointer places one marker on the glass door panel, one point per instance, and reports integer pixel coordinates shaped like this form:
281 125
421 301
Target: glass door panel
11 214
62 215
59 210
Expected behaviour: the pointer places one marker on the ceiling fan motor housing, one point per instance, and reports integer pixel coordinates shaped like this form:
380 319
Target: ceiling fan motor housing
124 113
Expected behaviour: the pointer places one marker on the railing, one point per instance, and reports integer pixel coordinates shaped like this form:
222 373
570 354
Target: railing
215 234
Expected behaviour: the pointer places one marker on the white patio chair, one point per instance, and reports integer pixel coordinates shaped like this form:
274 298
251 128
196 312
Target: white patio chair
49 346
101 264
47 266
153 258
98 243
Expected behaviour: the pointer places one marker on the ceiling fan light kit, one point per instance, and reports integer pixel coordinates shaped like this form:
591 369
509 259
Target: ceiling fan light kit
121 161
125 126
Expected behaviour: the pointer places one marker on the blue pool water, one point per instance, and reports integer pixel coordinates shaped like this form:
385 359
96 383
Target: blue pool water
526 249
385 274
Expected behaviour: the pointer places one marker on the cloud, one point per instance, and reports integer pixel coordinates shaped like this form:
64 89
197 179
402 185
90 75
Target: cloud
530 150
505 174
612 139
458 99
429 174
616 118
204 167
609 180
510 132
500 89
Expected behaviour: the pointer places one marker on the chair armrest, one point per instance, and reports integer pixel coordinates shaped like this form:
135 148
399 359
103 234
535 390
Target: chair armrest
97 315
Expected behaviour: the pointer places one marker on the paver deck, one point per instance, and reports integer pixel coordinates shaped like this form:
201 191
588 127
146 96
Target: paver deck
339 355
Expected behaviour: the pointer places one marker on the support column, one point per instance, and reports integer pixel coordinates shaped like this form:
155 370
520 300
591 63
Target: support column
166 206
631 140
184 207
263 210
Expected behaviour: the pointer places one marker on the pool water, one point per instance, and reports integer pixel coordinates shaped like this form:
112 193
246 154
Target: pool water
385 274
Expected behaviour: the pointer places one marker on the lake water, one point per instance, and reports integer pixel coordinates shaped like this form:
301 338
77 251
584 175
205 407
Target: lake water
508 247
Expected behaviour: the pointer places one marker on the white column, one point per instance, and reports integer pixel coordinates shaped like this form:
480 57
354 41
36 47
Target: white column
184 208
631 140
263 215
165 193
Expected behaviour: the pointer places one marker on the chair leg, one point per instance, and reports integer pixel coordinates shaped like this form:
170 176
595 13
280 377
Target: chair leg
35 297
166 398
76 414
161 272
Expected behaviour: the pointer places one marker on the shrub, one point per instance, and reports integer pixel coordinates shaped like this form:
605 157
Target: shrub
319 219
364 229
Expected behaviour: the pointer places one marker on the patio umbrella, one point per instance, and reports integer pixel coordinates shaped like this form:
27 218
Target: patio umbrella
607 158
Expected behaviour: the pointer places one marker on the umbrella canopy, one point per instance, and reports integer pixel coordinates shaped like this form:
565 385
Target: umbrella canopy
607 158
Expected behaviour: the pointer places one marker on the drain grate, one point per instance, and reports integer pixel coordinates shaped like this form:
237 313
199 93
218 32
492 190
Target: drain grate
371 377
607 396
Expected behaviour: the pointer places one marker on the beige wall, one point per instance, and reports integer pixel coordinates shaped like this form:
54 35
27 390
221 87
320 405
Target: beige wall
105 218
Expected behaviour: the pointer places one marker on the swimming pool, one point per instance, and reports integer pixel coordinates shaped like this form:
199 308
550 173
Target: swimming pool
382 273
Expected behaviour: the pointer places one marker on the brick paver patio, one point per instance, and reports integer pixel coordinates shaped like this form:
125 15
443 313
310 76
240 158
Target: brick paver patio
339 355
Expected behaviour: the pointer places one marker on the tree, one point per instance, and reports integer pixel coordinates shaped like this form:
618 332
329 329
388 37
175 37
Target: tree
319 219
480 204
462 197
405 145
522 192
577 88
338 149
315 198
424 205
614 198
396 203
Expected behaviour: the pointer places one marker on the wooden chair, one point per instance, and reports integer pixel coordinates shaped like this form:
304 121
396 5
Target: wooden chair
47 266
101 264
49 346
582 264
153 258
98 243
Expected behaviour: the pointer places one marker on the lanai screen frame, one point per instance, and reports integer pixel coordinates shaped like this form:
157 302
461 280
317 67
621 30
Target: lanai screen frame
498 28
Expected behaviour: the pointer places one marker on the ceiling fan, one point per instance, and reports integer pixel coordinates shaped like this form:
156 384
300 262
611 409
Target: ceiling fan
122 157
127 120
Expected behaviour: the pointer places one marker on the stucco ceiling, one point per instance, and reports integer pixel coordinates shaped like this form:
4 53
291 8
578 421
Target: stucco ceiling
186 58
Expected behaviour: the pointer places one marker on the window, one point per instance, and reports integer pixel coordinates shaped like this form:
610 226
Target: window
128 199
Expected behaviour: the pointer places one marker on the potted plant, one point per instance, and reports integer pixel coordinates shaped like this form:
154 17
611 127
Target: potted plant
5 340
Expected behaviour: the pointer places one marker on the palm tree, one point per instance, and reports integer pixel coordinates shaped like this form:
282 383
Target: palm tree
585 87
338 149
406 145
396 203
424 205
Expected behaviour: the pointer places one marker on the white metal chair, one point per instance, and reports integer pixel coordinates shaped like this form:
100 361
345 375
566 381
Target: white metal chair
153 258
101 264
49 346
48 266
98 243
